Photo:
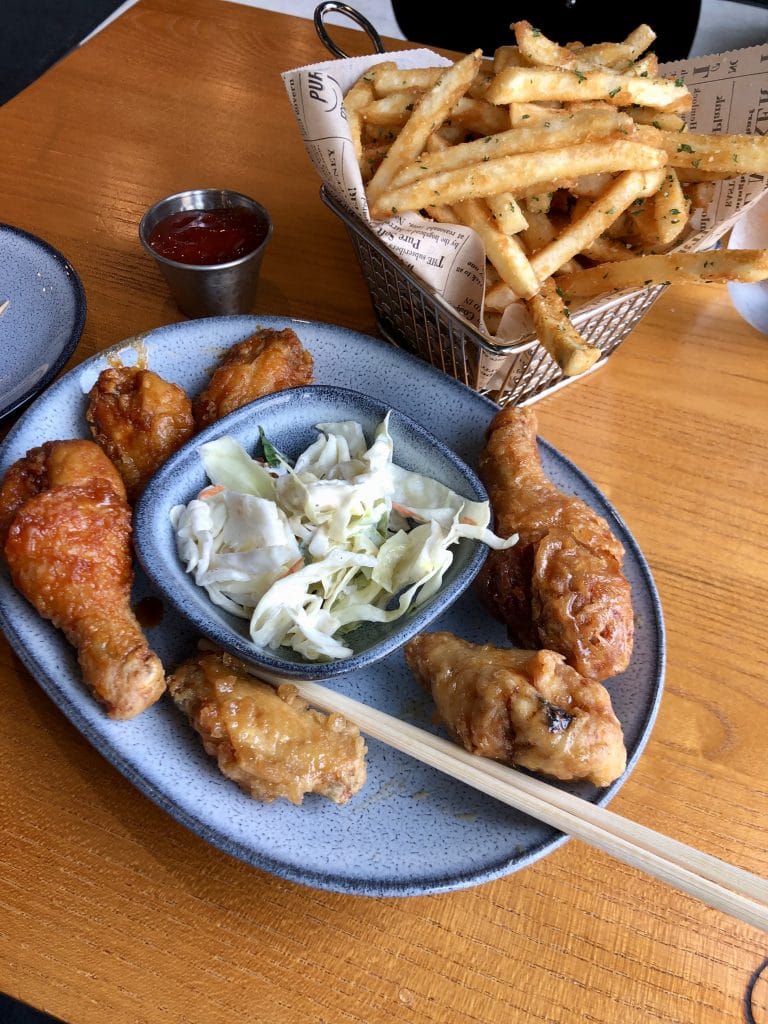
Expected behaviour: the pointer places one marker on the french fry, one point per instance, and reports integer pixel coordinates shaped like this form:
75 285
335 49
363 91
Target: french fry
526 85
450 133
622 226
541 51
559 131
695 174
511 173
472 115
508 57
479 117
392 110
540 230
378 135
699 194
418 80
731 154
442 214
664 216
538 49
657 118
528 115
406 79
498 296
429 113
504 251
557 334
646 67
690 267
591 185
540 202
583 231
370 159
507 213
358 96
607 250
541 193
619 55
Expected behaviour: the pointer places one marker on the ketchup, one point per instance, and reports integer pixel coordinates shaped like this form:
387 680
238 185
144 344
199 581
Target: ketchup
208 237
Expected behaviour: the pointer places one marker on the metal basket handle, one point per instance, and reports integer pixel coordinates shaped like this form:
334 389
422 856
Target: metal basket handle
331 6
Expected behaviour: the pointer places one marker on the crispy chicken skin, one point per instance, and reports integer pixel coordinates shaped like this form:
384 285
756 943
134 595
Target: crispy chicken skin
267 740
266 362
66 535
54 464
139 419
561 586
525 708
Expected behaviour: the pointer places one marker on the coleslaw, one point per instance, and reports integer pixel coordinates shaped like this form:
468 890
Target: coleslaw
309 551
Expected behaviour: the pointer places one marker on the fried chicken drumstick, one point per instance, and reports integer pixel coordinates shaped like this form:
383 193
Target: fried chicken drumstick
139 419
65 530
561 586
525 708
266 739
266 362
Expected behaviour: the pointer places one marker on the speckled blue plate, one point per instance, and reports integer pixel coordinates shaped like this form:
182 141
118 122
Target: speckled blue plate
44 319
410 830
288 419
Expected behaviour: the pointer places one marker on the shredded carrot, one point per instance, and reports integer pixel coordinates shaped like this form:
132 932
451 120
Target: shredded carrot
209 492
466 521
298 564
407 512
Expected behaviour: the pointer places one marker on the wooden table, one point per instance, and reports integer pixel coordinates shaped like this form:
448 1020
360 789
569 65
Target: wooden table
113 912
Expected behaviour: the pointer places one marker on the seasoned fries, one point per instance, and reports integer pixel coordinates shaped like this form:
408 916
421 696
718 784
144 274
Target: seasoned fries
527 85
582 232
573 164
746 265
514 173
426 117
557 334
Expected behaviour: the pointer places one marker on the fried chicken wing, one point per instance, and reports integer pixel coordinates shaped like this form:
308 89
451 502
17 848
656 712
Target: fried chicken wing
139 419
561 586
525 708
66 535
266 362
267 740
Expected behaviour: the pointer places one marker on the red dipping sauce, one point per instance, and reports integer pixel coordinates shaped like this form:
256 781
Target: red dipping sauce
208 237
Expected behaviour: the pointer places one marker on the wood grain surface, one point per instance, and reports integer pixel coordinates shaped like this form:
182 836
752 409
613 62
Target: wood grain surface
112 912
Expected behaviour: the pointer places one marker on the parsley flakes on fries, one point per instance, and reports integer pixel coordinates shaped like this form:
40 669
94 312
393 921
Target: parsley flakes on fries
572 163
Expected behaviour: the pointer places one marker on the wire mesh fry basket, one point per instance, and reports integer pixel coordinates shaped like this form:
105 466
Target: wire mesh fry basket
414 316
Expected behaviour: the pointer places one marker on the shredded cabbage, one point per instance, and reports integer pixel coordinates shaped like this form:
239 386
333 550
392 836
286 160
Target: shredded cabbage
307 552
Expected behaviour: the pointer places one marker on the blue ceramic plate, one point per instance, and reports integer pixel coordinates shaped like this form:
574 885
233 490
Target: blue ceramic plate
410 830
289 419
44 319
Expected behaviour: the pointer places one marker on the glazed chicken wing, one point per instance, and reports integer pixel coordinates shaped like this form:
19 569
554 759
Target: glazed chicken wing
65 527
266 362
525 708
266 739
139 419
561 586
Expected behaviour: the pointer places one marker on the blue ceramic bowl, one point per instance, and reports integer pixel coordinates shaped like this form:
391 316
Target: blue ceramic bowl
288 419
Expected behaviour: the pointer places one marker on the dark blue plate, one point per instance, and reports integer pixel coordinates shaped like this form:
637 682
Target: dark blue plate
45 317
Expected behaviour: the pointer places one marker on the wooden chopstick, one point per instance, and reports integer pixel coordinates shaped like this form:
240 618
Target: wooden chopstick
720 885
